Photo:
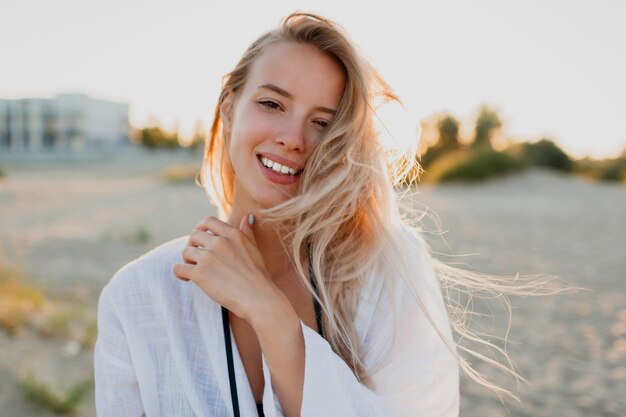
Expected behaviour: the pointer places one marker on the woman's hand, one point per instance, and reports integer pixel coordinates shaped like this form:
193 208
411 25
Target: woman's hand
227 265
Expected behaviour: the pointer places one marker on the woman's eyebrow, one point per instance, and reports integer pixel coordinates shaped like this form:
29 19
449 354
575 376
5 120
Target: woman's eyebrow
277 89
288 95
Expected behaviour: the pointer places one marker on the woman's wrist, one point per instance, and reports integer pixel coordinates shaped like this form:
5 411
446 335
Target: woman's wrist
272 314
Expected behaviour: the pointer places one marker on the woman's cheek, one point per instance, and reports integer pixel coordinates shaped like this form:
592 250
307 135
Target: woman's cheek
258 128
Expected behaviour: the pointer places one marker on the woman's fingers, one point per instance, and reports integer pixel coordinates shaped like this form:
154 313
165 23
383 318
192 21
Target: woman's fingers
183 271
198 238
216 226
193 255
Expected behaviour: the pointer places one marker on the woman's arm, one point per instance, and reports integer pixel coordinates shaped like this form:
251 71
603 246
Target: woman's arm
116 386
282 344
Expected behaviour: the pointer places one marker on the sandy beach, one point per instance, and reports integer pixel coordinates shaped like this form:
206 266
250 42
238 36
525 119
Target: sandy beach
71 226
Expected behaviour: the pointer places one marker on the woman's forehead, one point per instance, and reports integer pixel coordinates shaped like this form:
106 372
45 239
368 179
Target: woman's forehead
300 70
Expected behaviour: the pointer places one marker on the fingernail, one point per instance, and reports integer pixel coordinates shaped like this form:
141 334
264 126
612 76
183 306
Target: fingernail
251 219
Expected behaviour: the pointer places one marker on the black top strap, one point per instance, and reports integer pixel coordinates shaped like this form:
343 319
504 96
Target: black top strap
229 361
318 308
229 347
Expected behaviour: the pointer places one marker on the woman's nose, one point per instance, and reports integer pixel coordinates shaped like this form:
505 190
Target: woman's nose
293 136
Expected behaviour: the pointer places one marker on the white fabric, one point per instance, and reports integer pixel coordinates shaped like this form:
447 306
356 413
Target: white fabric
160 351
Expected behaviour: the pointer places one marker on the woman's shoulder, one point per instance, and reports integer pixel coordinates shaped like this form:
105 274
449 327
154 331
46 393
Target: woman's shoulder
146 274
399 276
418 258
403 299
411 249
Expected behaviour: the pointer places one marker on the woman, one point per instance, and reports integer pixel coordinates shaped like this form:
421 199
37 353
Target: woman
309 295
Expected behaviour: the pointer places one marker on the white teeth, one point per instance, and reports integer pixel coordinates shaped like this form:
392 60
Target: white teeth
276 167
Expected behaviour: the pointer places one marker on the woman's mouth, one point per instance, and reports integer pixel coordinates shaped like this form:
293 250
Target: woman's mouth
278 173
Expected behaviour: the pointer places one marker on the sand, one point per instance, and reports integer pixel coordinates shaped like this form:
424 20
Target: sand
71 226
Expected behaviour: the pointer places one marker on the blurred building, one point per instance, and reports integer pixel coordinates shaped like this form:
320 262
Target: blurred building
67 123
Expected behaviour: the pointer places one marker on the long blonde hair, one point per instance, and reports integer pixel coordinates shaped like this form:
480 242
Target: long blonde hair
347 217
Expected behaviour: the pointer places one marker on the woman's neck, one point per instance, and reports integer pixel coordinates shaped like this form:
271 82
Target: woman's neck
268 241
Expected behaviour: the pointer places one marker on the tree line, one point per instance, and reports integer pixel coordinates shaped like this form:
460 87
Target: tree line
449 158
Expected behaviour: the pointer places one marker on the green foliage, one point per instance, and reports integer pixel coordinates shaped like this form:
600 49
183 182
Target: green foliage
450 159
603 169
448 130
65 403
26 306
1 173
88 339
155 137
615 171
59 323
606 169
141 234
544 153
432 155
20 300
487 122
447 140
443 163
480 164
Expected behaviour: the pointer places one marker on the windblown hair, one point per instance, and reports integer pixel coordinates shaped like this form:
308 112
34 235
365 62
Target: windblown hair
346 216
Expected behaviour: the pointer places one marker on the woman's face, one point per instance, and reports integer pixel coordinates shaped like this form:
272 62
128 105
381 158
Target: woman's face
292 93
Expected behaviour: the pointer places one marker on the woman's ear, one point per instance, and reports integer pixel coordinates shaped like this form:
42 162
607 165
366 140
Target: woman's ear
226 108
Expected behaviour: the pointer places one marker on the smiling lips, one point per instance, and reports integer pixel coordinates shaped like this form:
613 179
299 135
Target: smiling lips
277 167
277 172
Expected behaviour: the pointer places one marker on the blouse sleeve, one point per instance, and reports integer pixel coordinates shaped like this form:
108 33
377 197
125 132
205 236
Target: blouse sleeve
116 386
417 376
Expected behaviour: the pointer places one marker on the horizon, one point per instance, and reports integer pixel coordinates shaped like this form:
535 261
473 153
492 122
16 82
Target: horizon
534 62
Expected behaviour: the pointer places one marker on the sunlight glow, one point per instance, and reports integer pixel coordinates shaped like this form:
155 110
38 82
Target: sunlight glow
530 59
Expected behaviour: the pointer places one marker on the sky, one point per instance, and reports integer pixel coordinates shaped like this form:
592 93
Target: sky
550 68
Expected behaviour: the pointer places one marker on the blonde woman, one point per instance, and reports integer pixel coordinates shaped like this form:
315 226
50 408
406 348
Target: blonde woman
308 295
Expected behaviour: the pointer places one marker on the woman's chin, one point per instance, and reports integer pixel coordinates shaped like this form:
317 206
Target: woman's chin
272 201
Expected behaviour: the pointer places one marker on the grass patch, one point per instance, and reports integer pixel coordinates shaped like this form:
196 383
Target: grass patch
140 234
20 300
41 394
180 173
90 333
68 322
25 305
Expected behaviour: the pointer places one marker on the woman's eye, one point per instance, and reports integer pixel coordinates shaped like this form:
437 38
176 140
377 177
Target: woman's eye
270 104
321 123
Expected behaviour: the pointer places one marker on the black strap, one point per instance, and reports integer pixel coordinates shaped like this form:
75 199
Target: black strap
229 347
318 308
229 361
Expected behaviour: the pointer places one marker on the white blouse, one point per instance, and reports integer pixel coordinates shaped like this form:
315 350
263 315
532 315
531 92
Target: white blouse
160 351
